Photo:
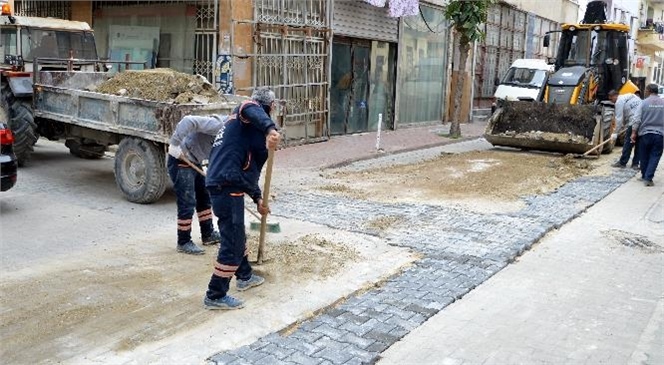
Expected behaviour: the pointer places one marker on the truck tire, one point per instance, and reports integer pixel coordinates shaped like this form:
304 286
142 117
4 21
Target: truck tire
22 124
87 151
140 170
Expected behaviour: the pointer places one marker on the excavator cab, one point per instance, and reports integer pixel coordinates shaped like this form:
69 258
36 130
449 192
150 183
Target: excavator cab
573 115
587 53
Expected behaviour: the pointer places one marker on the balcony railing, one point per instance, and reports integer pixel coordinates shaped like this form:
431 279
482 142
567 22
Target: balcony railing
657 27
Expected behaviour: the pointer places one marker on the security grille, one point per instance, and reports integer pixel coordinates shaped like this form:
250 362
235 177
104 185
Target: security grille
43 9
507 40
291 49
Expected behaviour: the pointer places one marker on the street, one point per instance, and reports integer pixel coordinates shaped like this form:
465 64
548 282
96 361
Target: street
368 252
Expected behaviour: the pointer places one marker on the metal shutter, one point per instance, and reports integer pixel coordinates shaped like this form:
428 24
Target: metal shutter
361 20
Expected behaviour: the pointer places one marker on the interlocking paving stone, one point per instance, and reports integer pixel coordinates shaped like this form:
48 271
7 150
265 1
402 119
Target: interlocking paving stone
460 248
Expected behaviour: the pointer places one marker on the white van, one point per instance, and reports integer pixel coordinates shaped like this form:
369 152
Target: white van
525 80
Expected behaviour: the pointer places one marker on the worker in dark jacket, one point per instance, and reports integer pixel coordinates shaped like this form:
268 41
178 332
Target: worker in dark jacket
192 139
237 158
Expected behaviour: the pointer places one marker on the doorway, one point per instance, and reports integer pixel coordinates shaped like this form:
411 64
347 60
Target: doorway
362 85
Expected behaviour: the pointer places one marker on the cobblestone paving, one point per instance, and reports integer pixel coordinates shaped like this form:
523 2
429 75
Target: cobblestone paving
460 250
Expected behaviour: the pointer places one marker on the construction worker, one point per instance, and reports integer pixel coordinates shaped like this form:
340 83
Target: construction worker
649 131
192 140
237 158
627 113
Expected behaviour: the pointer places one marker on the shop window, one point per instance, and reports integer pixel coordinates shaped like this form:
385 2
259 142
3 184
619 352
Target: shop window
423 67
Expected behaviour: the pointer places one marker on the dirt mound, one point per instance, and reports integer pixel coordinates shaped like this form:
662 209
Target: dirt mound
547 121
496 176
310 255
161 84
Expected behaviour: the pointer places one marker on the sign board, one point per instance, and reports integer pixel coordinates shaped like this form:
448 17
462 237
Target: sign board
642 61
133 43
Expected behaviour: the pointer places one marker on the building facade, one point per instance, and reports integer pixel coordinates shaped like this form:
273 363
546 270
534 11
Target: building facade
515 29
648 63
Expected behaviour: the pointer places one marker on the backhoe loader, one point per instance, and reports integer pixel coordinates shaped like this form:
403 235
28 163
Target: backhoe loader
574 114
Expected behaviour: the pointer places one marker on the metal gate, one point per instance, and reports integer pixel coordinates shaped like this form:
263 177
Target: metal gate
207 31
205 34
43 9
361 20
291 55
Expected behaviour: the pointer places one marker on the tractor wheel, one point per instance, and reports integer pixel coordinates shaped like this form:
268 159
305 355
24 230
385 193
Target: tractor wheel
140 170
22 124
607 120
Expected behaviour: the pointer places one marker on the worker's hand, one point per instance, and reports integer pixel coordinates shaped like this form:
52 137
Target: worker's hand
633 138
175 151
263 210
614 136
272 140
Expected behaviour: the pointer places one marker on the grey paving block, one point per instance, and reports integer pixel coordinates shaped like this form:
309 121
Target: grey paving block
306 336
378 347
298 358
299 345
329 331
248 354
357 341
277 351
384 337
335 355
350 317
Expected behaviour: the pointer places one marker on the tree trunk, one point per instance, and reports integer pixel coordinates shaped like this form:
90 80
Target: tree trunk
455 128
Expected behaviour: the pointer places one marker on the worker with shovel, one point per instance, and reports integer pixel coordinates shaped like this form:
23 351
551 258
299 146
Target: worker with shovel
237 158
190 145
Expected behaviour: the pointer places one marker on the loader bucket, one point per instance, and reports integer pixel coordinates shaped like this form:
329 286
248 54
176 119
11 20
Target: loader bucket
540 126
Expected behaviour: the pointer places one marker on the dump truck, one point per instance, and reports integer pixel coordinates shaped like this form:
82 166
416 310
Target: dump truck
50 71
66 106
574 114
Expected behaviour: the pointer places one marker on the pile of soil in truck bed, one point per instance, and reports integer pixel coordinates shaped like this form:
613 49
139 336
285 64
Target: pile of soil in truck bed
161 84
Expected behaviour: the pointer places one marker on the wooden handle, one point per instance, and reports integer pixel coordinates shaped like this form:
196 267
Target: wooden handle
191 164
600 145
266 198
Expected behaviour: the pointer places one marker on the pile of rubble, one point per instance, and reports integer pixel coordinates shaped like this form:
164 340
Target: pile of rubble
161 84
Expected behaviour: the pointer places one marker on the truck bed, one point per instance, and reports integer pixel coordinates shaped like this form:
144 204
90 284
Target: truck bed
66 97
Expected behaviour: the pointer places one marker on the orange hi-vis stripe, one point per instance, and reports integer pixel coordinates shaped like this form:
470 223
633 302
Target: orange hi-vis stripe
205 215
245 103
224 271
184 224
237 194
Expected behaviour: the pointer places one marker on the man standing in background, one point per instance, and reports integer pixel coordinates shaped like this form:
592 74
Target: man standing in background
649 131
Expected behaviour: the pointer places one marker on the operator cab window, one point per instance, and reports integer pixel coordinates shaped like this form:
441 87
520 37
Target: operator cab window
7 43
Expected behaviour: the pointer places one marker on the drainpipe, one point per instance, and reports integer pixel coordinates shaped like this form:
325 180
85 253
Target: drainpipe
472 85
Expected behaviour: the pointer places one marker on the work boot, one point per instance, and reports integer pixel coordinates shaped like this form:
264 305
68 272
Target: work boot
212 239
618 164
191 249
635 167
649 183
253 281
227 302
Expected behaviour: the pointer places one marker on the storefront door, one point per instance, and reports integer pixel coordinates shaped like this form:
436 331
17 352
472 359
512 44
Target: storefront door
362 85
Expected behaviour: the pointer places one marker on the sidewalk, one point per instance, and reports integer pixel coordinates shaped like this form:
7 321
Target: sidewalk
344 149
590 293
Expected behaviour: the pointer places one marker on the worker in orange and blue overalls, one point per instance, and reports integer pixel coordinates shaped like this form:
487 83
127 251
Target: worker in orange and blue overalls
238 154
192 139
